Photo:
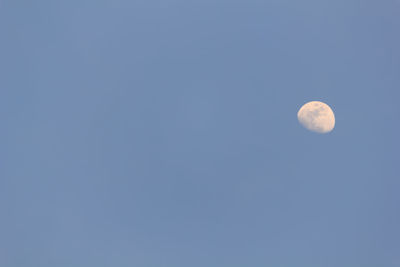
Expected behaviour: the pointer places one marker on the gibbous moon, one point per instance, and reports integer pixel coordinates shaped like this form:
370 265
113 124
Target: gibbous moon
316 116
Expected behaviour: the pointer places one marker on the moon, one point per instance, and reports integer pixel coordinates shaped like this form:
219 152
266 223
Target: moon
316 116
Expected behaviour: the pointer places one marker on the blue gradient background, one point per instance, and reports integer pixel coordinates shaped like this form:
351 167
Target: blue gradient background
163 133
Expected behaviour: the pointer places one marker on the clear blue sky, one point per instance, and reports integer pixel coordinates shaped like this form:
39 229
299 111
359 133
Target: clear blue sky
163 133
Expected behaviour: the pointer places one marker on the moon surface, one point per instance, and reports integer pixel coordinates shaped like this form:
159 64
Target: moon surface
316 116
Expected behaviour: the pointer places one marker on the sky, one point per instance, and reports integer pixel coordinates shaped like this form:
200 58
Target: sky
163 133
